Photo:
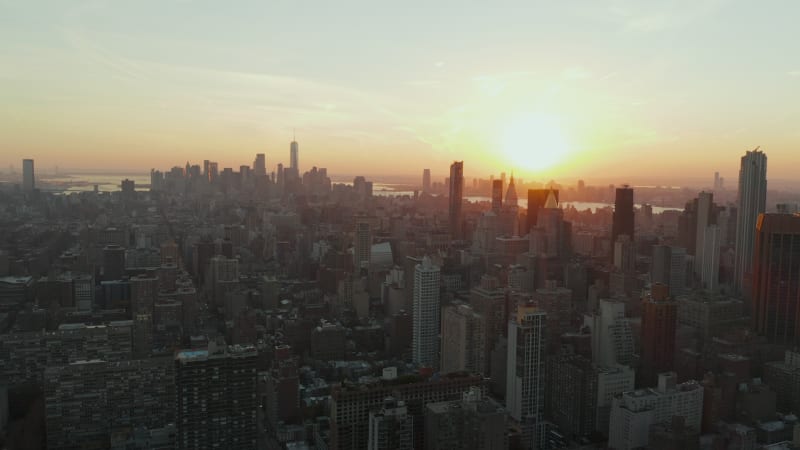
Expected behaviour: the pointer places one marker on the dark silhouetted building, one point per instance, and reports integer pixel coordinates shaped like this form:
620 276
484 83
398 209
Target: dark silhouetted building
456 198
776 278
752 200
28 178
623 213
497 195
659 321
536 200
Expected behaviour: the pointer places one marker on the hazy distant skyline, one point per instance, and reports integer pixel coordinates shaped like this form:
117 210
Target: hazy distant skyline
619 89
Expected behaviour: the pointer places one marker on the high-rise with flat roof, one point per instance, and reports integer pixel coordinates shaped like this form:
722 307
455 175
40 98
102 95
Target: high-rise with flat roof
28 178
463 340
751 201
659 322
456 198
426 180
525 379
391 428
216 397
623 213
426 311
475 422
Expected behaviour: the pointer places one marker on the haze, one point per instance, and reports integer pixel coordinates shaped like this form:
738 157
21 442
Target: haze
547 89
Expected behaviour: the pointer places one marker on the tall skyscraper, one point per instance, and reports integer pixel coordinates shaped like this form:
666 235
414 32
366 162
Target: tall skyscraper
497 195
426 311
705 217
751 200
216 397
294 157
525 373
426 180
659 321
776 286
363 243
456 197
511 195
536 200
260 165
709 275
28 178
623 213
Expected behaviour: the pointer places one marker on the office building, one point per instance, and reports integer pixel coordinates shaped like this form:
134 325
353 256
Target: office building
634 412
144 289
474 422
294 157
571 394
426 180
710 314
622 221
463 340
624 254
113 262
525 373
536 200
510 201
705 217
216 397
669 267
497 195
390 427
28 176
659 322
282 388
784 378
489 300
260 165
426 312
362 250
709 272
776 286
751 202
456 198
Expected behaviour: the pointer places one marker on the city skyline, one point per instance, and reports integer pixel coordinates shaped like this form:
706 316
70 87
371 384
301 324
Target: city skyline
617 88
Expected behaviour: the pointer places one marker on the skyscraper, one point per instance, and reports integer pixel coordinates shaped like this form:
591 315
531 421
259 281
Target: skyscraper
426 180
426 312
776 286
363 243
463 340
752 199
28 179
497 195
705 217
525 373
456 197
260 165
669 267
294 157
511 195
623 213
536 201
659 321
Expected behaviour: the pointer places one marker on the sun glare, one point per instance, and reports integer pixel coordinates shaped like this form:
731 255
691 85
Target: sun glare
535 143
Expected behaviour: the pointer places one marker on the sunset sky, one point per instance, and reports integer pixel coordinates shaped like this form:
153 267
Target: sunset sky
604 89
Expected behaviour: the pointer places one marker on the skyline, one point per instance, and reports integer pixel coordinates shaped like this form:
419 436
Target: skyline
619 88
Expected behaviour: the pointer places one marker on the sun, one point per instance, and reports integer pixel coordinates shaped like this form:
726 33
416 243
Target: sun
535 142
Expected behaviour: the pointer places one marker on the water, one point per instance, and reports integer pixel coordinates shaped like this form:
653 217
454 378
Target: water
85 182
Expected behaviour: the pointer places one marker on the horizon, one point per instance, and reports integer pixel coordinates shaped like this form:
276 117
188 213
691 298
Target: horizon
618 88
